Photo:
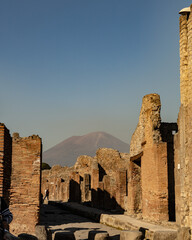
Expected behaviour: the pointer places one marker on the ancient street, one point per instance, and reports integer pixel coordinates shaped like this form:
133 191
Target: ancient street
58 220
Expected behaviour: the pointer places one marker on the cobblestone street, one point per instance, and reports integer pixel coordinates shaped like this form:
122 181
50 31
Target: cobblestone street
58 220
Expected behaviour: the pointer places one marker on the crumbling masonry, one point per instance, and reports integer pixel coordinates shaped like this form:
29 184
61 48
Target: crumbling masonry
155 181
20 179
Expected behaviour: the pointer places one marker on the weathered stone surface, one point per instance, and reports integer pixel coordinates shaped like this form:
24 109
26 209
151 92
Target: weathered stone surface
165 235
148 128
131 235
183 139
64 235
42 233
184 233
25 183
95 180
151 154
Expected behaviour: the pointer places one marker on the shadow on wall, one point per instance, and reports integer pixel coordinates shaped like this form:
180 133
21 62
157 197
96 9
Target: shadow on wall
100 199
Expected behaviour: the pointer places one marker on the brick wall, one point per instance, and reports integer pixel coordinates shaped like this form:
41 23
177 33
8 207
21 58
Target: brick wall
150 190
25 183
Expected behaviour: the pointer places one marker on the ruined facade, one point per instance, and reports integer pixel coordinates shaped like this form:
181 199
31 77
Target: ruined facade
141 184
20 178
155 183
150 187
100 181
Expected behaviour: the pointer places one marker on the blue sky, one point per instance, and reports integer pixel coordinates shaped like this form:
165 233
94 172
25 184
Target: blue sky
71 67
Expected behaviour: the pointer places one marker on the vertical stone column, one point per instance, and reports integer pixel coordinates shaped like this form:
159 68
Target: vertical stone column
86 188
25 183
94 183
155 182
183 139
121 182
107 192
184 81
134 201
75 192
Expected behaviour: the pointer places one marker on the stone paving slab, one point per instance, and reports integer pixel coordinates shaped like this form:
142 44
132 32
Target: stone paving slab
59 220
118 221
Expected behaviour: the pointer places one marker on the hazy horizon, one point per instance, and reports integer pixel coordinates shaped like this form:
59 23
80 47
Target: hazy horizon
69 67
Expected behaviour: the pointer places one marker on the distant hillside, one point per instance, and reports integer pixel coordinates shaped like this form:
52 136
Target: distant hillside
66 152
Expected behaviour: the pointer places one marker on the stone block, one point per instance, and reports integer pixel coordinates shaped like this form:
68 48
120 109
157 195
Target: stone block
98 235
64 235
184 233
131 235
165 235
42 233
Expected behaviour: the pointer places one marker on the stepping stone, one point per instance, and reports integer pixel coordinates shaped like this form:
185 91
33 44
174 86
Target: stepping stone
131 235
165 235
42 233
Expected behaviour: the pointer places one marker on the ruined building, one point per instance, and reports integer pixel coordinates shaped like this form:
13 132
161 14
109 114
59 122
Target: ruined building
153 182
100 181
20 174
141 184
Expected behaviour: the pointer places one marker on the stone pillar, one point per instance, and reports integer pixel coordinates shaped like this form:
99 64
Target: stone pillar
121 190
134 201
184 83
94 183
75 192
183 139
25 183
86 194
154 180
107 192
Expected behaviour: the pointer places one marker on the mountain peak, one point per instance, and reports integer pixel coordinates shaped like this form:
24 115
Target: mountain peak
67 152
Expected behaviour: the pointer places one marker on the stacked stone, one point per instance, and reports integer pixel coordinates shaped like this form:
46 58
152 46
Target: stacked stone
25 183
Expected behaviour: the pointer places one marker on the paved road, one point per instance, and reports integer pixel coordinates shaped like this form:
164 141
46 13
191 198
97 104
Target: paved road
57 220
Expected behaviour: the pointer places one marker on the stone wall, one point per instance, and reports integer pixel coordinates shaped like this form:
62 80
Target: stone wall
25 183
99 181
148 181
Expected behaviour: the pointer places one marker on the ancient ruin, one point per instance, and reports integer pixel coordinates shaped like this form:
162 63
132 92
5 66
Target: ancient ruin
100 181
152 182
21 179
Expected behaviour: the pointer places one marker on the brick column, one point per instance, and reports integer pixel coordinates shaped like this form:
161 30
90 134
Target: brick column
94 184
25 183
121 190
